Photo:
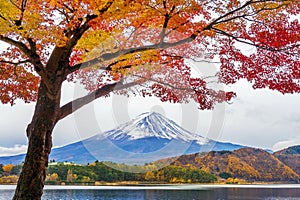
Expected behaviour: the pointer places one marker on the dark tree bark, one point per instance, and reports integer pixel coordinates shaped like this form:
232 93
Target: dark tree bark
39 131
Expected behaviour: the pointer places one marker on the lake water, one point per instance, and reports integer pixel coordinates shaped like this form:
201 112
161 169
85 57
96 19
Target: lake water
171 192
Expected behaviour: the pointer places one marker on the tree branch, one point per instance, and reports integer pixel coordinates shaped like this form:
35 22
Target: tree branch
72 106
32 44
166 21
189 58
238 39
34 58
164 83
77 33
60 55
247 15
209 26
110 56
17 44
2 17
15 63
246 4
30 53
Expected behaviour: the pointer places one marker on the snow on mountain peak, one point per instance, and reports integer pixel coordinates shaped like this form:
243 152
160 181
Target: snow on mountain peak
152 125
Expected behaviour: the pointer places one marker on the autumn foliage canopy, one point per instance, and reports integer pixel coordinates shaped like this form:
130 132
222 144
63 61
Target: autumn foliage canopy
146 44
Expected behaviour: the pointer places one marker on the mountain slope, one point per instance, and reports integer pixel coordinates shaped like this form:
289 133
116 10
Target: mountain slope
147 138
291 157
245 163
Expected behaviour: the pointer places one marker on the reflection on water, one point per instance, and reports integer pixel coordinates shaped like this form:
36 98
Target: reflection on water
172 194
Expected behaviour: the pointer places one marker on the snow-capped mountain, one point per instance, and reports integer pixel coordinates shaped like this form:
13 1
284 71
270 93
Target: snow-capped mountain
147 138
153 124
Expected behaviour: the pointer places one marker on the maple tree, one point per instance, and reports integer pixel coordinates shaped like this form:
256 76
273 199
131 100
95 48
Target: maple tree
114 45
7 168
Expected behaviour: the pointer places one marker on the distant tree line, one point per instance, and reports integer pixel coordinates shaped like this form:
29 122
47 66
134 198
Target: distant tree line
9 173
101 172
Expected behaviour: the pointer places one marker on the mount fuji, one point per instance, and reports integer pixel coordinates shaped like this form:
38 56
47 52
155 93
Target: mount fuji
147 138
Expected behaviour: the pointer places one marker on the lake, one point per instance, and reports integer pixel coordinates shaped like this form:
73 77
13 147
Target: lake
161 192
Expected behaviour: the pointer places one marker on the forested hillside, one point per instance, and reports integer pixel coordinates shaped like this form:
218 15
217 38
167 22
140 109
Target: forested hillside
291 157
246 163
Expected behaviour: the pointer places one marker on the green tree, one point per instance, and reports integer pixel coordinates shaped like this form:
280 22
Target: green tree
16 170
60 169
225 175
1 169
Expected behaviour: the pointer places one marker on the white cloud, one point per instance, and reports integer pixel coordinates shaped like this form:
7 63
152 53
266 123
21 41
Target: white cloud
17 149
286 143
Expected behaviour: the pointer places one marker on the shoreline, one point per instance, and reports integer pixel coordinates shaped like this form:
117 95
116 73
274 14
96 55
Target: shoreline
162 187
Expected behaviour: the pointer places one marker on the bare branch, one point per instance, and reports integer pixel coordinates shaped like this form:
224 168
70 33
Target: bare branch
186 89
15 43
208 27
2 17
32 44
72 106
189 58
247 15
164 83
68 7
15 63
165 25
64 14
241 40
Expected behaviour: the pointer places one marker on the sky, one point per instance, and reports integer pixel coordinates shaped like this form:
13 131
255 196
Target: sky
257 118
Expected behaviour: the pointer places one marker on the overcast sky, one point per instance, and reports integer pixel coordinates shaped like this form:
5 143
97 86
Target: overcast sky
258 118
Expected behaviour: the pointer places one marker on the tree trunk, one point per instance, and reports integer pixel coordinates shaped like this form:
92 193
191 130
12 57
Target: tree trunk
39 133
